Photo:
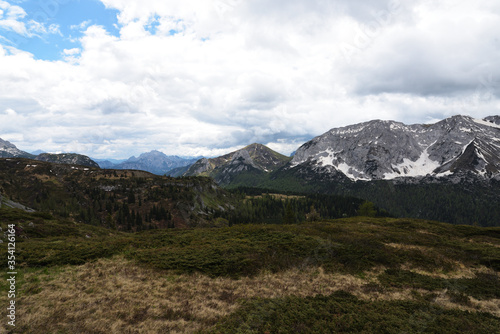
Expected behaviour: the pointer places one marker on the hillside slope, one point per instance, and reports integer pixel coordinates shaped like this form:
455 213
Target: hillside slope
118 199
67 158
341 276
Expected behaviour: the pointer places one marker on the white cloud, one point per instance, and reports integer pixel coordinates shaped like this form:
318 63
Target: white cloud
81 26
72 52
11 12
199 77
442 55
71 55
12 18
35 27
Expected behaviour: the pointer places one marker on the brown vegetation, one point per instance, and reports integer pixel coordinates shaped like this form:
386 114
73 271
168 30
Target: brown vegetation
117 296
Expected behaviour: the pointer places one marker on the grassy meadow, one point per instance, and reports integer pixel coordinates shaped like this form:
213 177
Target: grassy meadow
352 275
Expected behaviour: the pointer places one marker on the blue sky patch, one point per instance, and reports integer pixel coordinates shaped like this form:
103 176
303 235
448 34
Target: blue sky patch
56 25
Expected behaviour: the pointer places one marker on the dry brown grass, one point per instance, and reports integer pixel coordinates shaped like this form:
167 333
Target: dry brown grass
491 306
459 271
118 296
278 196
43 178
406 246
425 232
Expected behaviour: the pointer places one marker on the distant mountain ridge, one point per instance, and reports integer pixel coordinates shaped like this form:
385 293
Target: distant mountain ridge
9 150
374 150
377 150
154 162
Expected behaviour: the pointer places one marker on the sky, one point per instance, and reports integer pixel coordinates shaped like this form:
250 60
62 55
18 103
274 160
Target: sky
116 78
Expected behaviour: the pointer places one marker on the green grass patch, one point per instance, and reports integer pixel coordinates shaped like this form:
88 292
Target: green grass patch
233 252
352 245
483 286
75 251
341 312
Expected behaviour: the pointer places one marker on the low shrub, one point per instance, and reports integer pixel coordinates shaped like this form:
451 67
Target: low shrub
344 313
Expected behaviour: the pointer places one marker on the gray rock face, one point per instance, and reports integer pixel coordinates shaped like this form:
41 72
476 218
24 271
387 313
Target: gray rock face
389 150
252 158
242 157
9 150
201 166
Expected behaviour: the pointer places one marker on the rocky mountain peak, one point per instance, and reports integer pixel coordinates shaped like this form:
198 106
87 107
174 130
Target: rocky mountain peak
9 150
387 149
252 158
6 144
242 157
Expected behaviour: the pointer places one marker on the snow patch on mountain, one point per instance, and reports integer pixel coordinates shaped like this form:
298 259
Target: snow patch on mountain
377 149
424 165
483 122
352 172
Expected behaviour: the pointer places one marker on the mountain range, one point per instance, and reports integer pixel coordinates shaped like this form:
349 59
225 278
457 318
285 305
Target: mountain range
374 150
377 150
9 150
389 150
154 162
448 171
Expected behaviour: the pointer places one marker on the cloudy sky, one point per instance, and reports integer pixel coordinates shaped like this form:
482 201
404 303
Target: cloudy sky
115 78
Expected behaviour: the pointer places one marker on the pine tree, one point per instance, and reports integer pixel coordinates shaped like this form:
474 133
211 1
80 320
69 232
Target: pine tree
131 197
290 217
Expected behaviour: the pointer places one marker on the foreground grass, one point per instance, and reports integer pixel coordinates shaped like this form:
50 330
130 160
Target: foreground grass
342 312
115 295
350 275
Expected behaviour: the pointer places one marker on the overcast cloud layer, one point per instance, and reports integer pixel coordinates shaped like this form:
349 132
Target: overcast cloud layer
205 77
